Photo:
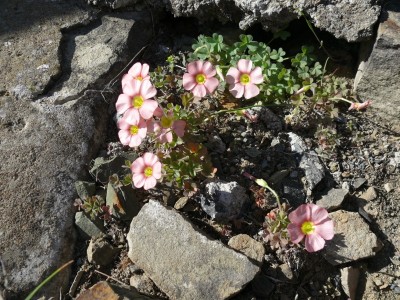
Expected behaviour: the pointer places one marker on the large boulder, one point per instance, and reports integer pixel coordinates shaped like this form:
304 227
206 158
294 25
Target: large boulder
378 74
350 20
50 129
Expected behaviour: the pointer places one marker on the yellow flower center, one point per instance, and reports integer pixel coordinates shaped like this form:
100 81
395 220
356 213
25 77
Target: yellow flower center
244 79
139 78
137 101
148 171
307 227
166 122
200 78
134 129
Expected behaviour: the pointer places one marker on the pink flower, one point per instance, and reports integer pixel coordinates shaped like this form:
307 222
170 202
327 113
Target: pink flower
133 129
145 171
243 80
360 106
136 95
166 125
136 72
312 222
200 78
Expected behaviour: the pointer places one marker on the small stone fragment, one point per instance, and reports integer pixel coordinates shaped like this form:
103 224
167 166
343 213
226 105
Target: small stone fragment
143 284
352 241
85 189
103 168
358 182
369 194
101 252
88 228
223 200
388 187
349 279
216 144
248 246
122 201
285 272
183 262
267 117
333 199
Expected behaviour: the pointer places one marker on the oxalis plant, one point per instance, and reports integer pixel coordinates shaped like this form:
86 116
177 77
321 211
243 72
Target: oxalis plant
162 111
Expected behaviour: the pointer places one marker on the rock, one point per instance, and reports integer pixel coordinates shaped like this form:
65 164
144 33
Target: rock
216 144
308 161
143 284
262 286
248 246
88 228
293 191
369 194
285 273
358 182
253 152
379 71
108 291
267 117
333 199
349 244
85 189
103 168
349 279
186 265
223 200
101 252
48 146
388 187
123 201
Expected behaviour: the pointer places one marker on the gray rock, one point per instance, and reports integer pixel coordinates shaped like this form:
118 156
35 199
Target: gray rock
85 189
143 284
223 200
186 265
48 146
369 195
267 117
333 199
123 202
88 228
308 161
101 252
379 71
349 278
216 144
349 244
358 182
248 246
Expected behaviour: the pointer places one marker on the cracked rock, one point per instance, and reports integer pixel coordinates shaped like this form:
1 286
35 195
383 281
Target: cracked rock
333 199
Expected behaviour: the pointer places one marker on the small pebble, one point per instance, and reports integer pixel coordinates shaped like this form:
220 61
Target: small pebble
388 187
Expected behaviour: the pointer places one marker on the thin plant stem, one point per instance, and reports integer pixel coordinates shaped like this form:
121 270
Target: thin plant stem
30 296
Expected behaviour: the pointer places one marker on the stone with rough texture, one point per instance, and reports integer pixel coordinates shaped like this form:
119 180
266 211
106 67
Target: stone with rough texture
183 262
333 199
223 200
308 161
352 241
349 277
350 20
248 246
378 74
101 252
88 228
47 147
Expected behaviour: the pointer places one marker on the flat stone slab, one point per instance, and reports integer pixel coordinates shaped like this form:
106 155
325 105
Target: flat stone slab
182 261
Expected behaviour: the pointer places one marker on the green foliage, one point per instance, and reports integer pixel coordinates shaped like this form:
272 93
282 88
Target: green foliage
93 206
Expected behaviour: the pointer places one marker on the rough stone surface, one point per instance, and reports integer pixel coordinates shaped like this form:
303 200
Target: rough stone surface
349 244
333 199
266 116
223 200
378 75
47 147
85 189
101 252
88 228
308 161
123 202
349 277
143 284
350 20
369 195
248 246
186 265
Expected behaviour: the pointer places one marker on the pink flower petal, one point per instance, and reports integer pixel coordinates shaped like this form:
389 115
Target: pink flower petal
233 76
188 82
152 125
325 229
179 127
211 84
126 79
123 124
158 112
150 183
124 137
138 166
168 136
136 140
209 70
199 91
157 170
195 67
245 65
132 87
237 90
295 233
138 180
123 103
148 108
147 90
256 76
150 159
318 214
135 70
251 90
132 116
314 242
145 71
300 215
